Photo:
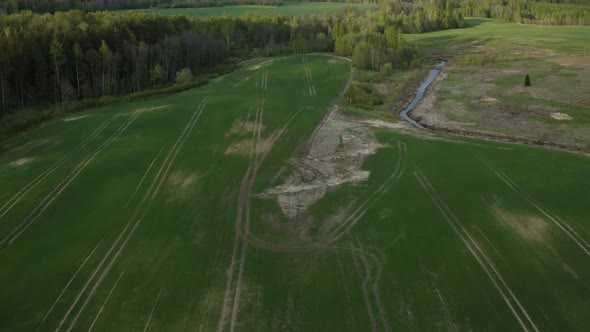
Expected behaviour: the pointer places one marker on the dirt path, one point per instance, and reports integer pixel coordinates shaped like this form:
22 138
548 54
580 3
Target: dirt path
479 254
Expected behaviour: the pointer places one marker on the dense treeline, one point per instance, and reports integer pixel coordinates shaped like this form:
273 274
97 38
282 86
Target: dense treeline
76 55
547 12
52 6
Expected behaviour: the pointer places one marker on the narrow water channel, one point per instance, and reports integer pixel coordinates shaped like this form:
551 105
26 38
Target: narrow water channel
420 94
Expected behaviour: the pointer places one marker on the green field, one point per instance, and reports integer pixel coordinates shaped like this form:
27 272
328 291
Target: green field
288 8
243 206
483 88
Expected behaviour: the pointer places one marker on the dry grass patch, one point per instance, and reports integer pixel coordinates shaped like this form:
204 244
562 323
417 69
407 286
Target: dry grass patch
181 183
530 228
241 127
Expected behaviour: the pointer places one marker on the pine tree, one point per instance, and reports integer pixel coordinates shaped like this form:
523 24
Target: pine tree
527 80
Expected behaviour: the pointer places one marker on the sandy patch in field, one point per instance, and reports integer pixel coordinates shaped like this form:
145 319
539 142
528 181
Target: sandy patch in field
531 228
489 100
21 162
260 65
561 116
181 182
74 118
572 61
384 124
156 108
244 147
335 155
241 127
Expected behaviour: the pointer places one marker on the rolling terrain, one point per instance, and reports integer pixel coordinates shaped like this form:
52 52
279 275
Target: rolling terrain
481 90
256 203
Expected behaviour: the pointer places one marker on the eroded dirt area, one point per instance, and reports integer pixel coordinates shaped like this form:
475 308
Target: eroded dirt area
336 152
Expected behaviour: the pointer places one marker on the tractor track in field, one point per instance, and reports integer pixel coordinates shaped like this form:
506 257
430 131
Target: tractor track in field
264 83
374 284
135 220
67 285
346 291
145 174
242 226
353 218
147 324
6 207
56 192
106 300
479 254
309 77
242 218
363 281
560 223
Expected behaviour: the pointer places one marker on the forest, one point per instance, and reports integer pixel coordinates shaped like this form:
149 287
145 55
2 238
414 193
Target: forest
69 56
51 6
547 12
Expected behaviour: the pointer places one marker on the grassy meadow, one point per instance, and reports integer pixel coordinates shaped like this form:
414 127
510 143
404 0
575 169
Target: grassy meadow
483 88
156 216
288 8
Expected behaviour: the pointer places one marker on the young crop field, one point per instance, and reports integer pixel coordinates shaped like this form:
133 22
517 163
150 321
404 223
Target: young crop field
256 204
482 88
288 8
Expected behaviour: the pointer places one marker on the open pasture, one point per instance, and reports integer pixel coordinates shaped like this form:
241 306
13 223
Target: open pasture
253 204
483 86
288 8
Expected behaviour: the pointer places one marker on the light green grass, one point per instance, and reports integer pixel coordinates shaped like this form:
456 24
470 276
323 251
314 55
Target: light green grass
489 60
288 9
515 39
174 266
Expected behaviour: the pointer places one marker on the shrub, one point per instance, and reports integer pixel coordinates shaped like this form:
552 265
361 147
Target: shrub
184 76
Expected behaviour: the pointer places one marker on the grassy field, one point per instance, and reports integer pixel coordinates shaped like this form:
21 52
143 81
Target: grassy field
483 87
252 204
288 9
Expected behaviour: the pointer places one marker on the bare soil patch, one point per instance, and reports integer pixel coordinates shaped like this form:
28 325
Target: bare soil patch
74 118
242 127
243 147
181 183
530 228
21 162
561 116
335 155
572 61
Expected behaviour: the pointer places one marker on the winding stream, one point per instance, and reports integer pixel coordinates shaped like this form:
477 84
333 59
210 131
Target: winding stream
420 94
